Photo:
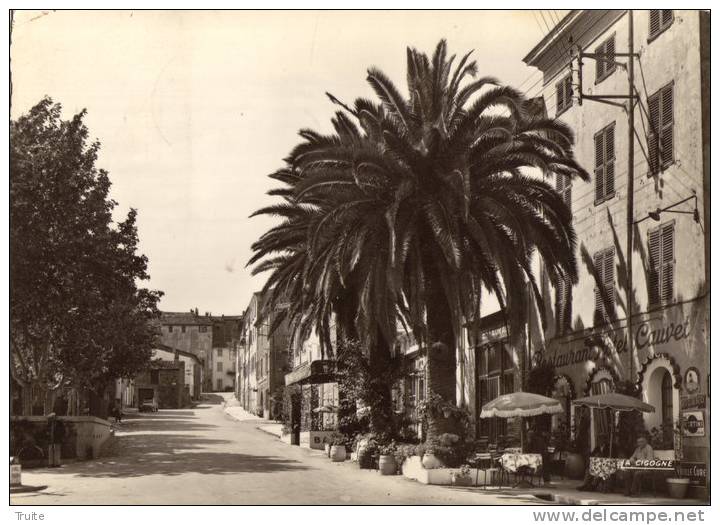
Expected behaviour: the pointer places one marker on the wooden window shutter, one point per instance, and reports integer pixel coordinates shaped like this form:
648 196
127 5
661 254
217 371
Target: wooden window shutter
654 22
568 91
599 269
609 277
563 187
599 63
668 262
610 160
666 18
599 166
654 267
610 51
653 138
560 94
666 125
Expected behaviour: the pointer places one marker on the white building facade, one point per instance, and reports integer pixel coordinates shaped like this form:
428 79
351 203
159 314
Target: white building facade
664 349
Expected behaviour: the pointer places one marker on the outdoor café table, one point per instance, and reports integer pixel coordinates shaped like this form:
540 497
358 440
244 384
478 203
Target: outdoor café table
521 464
603 468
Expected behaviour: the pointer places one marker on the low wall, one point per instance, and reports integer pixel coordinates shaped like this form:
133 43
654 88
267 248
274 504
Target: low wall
412 468
83 436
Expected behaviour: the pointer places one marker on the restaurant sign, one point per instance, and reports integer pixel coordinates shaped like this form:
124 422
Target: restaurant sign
695 472
647 464
656 333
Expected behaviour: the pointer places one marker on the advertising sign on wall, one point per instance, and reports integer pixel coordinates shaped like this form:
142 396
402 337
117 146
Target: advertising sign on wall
693 423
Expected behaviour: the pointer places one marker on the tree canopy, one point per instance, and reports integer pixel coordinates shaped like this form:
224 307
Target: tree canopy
77 313
419 202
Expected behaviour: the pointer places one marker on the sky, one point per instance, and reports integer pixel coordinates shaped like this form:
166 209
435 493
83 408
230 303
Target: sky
195 109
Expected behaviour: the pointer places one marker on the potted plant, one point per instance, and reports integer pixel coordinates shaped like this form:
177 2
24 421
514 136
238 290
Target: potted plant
338 450
386 463
677 486
366 448
429 459
461 478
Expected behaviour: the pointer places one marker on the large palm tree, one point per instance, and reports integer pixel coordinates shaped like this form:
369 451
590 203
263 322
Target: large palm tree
420 202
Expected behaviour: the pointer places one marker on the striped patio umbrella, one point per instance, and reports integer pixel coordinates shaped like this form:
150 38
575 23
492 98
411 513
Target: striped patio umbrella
614 401
521 404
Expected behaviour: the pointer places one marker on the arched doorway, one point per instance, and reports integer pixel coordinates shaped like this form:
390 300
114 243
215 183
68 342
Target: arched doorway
660 388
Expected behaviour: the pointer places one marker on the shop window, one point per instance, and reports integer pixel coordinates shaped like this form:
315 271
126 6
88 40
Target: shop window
661 268
496 376
605 164
660 139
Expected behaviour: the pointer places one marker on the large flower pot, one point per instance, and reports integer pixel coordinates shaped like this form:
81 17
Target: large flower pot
677 487
338 453
364 458
430 461
387 465
574 466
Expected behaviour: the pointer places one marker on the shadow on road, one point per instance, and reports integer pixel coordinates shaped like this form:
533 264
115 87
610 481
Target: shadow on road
161 425
172 455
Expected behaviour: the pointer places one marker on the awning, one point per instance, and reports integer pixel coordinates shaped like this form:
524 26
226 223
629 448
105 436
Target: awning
314 372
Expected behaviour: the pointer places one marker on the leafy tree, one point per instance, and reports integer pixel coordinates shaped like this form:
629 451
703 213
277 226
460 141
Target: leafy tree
77 315
418 203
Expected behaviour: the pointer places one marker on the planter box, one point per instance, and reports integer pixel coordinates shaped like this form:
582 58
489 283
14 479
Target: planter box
412 468
85 436
315 439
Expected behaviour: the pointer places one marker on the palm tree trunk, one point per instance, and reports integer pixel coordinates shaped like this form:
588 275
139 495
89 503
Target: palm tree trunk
441 361
381 412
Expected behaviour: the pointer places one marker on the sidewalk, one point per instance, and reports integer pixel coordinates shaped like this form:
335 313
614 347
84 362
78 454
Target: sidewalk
238 413
561 491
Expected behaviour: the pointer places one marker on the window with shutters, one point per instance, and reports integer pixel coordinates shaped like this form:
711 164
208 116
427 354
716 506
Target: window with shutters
605 164
563 305
660 20
604 263
661 271
564 94
496 372
660 140
563 185
605 59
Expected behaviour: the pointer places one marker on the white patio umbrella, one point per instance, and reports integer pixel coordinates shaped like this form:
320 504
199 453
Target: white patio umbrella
521 404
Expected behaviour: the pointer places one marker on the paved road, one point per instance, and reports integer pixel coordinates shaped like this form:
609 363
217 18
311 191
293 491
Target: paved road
202 456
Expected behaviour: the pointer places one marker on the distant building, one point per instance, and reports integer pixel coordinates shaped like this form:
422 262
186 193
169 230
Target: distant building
226 335
193 368
263 361
189 332
163 383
